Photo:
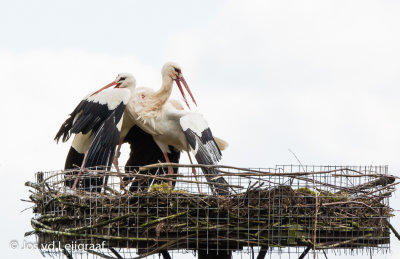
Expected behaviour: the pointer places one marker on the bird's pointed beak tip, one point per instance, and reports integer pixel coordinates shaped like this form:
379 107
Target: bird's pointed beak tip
178 82
187 89
104 87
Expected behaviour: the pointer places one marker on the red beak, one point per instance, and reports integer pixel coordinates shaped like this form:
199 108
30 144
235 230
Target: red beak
178 82
188 89
182 92
105 87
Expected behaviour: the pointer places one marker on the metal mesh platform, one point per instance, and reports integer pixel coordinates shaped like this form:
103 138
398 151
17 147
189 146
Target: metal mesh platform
286 209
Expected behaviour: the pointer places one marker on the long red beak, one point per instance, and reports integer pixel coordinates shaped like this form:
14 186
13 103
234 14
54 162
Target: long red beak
178 82
105 87
188 89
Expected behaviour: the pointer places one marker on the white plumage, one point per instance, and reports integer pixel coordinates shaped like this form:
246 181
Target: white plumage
111 97
171 126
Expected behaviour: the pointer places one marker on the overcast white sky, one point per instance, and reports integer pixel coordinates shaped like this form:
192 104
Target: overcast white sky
319 77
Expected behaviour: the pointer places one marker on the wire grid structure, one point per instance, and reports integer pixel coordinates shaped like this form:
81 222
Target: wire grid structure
286 209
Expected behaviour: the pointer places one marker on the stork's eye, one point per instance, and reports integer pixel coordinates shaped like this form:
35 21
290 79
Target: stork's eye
177 70
122 79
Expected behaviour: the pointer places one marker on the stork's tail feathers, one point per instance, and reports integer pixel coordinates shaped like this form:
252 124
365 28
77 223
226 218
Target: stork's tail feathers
221 187
222 144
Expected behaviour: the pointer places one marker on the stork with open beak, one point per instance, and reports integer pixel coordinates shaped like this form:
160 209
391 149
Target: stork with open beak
169 126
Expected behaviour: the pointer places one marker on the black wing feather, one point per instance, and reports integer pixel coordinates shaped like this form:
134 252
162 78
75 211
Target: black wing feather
102 149
207 153
65 130
87 116
93 114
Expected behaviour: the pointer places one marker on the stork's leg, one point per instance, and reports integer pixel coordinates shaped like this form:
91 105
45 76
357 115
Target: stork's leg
115 163
194 171
170 170
117 154
80 171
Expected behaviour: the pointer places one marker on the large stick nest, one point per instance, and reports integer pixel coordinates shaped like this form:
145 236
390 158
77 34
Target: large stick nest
260 214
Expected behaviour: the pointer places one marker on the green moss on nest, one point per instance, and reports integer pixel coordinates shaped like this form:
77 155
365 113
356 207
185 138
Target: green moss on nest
162 187
306 190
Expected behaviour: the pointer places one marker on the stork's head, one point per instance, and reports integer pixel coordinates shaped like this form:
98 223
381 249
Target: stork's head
123 80
174 71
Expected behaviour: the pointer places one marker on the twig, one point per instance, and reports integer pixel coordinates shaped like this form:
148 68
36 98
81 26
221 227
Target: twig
380 189
34 221
105 237
102 223
162 219
348 202
174 176
258 172
29 233
321 246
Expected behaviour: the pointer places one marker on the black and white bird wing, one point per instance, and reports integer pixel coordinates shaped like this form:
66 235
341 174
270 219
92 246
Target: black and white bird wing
203 146
92 111
101 151
200 139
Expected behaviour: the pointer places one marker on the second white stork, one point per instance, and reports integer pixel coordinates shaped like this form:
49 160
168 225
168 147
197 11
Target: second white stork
96 121
169 126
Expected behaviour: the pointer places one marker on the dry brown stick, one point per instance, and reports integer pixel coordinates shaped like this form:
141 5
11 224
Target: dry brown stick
35 222
214 166
168 178
64 172
362 175
324 184
188 181
105 237
59 218
106 222
347 202
147 167
384 180
241 174
162 219
343 242
380 189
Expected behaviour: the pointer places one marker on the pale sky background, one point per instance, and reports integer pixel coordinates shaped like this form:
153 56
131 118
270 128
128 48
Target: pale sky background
319 77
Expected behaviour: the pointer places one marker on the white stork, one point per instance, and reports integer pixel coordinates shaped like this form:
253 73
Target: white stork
170 126
96 121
